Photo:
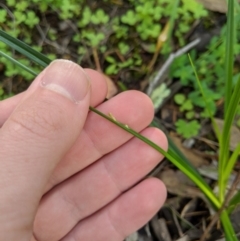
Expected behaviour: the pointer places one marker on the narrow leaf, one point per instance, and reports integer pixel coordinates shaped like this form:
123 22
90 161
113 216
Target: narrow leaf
235 201
229 55
228 228
183 162
225 138
224 143
231 162
24 49
216 129
18 63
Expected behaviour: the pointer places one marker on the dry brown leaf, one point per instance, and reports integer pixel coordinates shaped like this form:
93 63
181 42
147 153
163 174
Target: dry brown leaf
195 159
177 183
215 5
160 229
235 133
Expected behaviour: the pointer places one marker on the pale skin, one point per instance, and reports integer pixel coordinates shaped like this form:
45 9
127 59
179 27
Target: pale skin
68 174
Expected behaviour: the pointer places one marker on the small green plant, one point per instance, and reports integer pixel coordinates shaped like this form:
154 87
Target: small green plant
93 39
99 17
185 104
3 15
129 31
115 65
129 18
210 69
123 48
159 94
187 129
31 19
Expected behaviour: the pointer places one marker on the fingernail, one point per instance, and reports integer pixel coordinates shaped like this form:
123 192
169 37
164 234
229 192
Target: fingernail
67 79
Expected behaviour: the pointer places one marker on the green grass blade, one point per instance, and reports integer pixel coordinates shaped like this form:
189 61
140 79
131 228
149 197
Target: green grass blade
224 143
231 162
18 63
172 149
171 145
182 162
229 55
187 169
235 201
230 234
24 49
172 20
237 6
216 129
225 138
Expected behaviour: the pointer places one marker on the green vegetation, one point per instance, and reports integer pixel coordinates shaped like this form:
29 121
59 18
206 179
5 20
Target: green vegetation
123 38
210 68
209 77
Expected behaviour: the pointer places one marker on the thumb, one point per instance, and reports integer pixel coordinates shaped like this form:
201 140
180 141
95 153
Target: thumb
34 139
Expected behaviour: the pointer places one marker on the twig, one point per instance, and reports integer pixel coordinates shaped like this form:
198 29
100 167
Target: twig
96 59
60 49
225 204
166 65
177 225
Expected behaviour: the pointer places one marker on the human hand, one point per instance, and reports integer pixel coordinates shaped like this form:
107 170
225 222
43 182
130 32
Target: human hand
68 174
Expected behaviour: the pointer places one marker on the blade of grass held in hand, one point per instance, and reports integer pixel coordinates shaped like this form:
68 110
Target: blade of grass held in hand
189 170
186 168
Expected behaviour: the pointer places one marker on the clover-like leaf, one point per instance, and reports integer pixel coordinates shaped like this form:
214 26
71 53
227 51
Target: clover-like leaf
129 18
19 16
99 17
179 98
31 19
123 48
187 129
3 15
86 17
111 69
22 6
187 105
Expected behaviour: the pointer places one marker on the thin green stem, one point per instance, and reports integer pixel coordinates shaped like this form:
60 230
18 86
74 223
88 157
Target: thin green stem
171 156
215 127
229 55
18 63
228 105
227 226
